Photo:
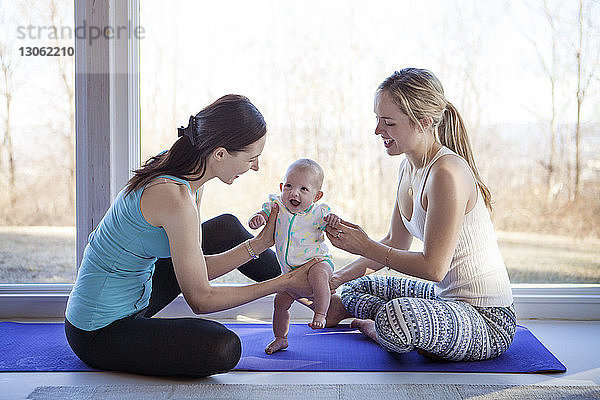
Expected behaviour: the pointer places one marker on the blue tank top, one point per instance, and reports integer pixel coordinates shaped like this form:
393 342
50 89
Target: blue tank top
115 277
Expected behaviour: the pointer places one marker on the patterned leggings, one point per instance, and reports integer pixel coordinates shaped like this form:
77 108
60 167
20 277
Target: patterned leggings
407 315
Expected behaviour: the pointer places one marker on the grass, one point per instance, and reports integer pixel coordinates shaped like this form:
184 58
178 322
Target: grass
47 255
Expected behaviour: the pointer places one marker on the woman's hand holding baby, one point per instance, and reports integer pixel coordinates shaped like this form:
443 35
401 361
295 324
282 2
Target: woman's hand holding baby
298 279
266 237
349 237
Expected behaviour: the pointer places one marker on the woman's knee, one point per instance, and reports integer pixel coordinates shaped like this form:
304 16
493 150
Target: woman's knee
225 351
364 285
352 286
228 222
221 233
230 351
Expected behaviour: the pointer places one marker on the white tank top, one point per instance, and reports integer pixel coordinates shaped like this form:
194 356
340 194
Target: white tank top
477 273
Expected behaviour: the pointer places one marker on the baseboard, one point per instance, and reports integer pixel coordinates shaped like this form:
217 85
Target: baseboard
577 302
563 302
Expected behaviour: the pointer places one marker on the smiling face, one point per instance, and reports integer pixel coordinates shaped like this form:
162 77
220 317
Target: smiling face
300 189
396 129
231 166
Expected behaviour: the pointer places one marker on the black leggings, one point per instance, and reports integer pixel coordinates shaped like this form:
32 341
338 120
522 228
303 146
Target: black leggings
181 346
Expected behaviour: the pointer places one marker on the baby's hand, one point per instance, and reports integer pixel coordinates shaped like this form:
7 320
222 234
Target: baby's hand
257 221
332 220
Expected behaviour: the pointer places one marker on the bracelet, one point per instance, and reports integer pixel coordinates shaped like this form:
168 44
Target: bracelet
250 250
387 257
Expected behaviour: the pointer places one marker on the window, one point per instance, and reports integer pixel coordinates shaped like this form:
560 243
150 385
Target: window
312 69
37 160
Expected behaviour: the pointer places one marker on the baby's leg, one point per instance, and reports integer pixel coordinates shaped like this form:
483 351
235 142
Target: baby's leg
318 277
281 322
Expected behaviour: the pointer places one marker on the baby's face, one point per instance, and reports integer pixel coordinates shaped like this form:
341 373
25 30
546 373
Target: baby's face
299 190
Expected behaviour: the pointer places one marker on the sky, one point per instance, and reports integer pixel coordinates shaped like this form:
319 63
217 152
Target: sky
485 42
478 46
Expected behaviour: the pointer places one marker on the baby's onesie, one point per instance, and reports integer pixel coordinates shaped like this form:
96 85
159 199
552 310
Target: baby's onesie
299 237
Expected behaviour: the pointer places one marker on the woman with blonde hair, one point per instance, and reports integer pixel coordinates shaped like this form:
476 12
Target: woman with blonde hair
456 303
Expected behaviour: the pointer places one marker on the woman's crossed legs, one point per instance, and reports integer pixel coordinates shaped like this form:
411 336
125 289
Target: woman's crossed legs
406 315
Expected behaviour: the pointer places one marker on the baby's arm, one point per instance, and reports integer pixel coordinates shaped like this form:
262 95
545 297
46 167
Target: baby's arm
333 220
258 220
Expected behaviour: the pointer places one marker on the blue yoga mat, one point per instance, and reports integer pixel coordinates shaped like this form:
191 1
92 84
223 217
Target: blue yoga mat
43 347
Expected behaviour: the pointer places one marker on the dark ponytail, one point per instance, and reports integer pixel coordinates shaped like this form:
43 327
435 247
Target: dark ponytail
231 122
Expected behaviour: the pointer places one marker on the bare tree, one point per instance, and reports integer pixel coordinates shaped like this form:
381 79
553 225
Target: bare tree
65 70
460 59
551 67
7 68
586 62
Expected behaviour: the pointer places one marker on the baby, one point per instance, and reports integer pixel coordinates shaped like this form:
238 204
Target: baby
298 239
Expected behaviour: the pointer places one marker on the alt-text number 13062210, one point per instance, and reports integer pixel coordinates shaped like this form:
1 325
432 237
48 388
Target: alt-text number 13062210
47 51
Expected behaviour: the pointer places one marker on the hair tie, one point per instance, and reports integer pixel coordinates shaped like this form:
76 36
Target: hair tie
190 131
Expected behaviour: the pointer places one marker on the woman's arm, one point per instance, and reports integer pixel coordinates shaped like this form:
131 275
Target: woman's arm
397 237
448 190
180 221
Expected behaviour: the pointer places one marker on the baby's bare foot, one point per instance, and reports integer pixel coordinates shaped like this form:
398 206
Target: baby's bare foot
318 321
276 345
366 327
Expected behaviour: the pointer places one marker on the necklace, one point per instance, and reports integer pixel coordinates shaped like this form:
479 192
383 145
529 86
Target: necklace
411 181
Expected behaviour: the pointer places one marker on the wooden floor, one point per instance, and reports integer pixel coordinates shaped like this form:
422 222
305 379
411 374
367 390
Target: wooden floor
575 343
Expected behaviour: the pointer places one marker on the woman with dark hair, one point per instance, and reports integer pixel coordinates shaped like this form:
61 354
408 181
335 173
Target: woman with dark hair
150 247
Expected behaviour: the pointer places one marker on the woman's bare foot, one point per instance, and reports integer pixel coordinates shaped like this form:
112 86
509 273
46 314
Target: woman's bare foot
276 345
336 312
429 355
318 321
366 327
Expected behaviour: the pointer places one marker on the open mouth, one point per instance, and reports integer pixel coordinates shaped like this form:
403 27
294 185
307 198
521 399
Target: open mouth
388 142
295 203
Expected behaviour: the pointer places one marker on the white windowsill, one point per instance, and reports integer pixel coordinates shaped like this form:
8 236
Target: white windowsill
580 302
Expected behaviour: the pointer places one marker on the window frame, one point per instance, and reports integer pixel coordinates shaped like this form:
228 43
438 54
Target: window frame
107 132
579 302
105 157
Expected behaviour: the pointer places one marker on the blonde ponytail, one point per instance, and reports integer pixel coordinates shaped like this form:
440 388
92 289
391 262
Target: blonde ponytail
452 133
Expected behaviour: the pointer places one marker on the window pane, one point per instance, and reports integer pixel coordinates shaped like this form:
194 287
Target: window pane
37 162
312 68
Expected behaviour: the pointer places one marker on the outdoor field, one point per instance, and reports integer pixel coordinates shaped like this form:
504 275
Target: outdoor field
47 255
